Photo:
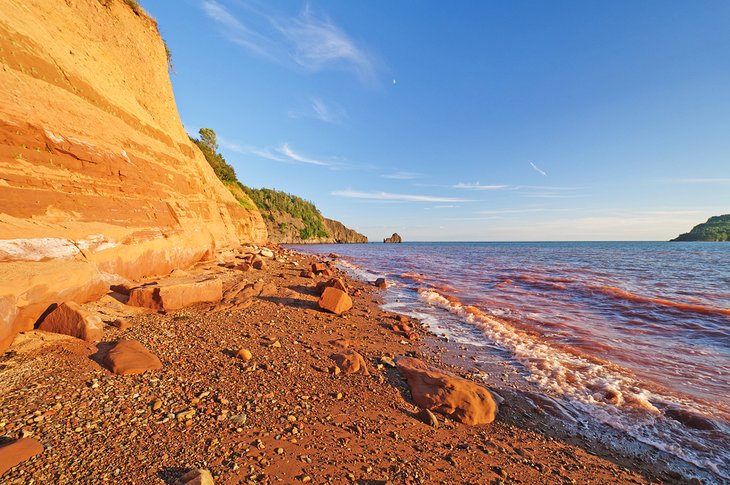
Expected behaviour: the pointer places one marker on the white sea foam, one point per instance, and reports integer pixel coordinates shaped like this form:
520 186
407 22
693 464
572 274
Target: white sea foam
604 391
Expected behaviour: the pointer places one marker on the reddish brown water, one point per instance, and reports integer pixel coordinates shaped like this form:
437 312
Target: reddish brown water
636 335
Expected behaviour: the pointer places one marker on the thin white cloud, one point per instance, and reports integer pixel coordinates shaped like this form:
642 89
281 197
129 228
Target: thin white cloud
477 186
283 153
329 113
306 40
319 43
401 175
509 211
719 181
235 31
353 194
537 169
287 151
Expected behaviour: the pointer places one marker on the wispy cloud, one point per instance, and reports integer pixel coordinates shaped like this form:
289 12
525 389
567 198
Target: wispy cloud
477 186
311 42
509 211
283 153
401 175
329 113
710 181
354 194
537 169
235 31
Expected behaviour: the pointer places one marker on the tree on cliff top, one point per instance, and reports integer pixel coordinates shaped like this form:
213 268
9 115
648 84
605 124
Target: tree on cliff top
208 144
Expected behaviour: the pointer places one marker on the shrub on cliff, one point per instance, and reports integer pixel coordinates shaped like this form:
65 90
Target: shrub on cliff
271 201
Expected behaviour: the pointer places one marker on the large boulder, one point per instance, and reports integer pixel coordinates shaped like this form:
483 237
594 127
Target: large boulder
176 294
458 398
18 451
70 319
395 238
131 357
335 300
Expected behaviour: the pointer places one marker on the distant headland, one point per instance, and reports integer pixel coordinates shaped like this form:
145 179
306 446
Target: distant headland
716 229
395 238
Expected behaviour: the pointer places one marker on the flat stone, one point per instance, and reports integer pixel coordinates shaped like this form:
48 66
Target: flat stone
131 357
18 451
177 294
70 319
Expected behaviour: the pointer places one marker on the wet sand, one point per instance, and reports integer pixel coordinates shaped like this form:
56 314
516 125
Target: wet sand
283 417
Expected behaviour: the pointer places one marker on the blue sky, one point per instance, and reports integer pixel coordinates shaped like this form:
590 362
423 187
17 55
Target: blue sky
500 120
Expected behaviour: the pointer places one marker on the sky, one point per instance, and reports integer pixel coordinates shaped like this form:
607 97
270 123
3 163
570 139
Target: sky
467 121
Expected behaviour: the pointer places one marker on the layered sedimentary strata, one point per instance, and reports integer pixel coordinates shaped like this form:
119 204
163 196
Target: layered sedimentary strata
98 180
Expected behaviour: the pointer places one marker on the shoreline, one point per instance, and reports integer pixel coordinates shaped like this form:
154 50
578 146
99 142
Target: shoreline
286 418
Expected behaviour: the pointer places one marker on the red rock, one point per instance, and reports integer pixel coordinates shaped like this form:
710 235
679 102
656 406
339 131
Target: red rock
350 362
402 318
121 323
327 272
335 301
306 274
244 267
381 283
460 399
334 283
259 263
18 451
197 477
269 289
70 319
131 357
318 268
176 295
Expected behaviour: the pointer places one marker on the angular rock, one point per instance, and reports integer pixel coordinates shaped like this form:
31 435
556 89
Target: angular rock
245 267
174 295
121 323
428 417
70 319
18 451
318 268
259 263
306 274
269 289
381 283
460 399
266 253
130 357
244 354
197 477
350 362
335 301
333 283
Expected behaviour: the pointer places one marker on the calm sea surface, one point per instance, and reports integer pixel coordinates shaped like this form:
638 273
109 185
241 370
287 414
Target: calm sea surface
634 334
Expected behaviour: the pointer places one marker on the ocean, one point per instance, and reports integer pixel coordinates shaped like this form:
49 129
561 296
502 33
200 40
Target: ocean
633 335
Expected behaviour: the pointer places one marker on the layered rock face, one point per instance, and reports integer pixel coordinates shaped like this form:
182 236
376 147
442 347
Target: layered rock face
395 238
98 180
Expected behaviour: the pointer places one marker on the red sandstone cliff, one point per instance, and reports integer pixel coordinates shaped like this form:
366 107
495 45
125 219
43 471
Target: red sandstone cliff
98 180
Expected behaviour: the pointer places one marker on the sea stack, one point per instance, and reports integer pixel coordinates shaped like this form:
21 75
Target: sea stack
395 238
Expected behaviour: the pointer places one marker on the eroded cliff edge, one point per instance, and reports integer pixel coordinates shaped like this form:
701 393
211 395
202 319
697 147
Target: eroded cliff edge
98 179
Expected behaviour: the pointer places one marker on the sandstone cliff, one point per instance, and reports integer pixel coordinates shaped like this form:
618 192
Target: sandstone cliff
98 179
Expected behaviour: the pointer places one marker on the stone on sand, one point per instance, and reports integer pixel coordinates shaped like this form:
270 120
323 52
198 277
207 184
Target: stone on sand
198 476
18 451
177 294
350 362
335 301
381 283
130 357
460 399
70 319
